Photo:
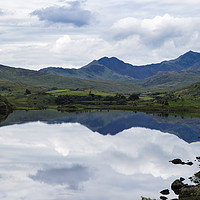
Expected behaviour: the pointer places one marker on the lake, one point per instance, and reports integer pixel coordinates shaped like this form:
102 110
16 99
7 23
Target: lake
107 155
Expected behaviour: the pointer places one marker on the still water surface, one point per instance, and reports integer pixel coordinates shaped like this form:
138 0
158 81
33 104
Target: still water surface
47 155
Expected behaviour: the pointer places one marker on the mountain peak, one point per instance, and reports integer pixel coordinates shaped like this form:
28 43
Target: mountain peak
191 54
109 62
189 58
106 59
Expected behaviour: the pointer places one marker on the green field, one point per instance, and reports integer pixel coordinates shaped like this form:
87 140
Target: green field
78 93
182 101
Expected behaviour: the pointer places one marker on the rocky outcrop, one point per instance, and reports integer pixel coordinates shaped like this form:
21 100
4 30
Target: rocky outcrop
5 106
185 191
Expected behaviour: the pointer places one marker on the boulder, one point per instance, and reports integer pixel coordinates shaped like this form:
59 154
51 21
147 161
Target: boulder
176 186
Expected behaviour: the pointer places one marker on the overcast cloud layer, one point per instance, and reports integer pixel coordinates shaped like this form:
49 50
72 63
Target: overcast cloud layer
70 33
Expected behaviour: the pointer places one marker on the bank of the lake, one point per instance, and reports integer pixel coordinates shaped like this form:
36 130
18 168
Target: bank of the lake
78 101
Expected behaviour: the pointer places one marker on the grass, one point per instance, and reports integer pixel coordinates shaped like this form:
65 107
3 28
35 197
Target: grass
78 93
38 79
41 100
146 98
184 101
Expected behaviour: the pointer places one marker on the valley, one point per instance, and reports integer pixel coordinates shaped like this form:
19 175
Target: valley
170 87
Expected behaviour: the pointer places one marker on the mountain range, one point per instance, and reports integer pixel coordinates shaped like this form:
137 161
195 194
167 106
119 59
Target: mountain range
115 69
17 79
109 75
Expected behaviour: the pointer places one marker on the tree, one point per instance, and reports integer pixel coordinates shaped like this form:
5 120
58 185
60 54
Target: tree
133 97
27 91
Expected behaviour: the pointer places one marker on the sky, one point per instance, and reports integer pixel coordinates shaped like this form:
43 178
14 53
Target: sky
72 33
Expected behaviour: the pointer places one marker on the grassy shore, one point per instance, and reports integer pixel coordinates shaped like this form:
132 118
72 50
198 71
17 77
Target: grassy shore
94 100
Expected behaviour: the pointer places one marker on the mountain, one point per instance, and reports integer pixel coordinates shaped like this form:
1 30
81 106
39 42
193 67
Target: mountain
11 77
93 71
115 69
190 61
106 74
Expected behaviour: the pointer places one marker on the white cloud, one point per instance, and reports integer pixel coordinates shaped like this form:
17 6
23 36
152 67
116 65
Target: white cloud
81 48
125 29
155 32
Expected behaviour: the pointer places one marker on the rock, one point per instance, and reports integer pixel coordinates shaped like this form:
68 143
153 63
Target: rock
176 186
189 163
177 161
165 192
198 157
182 179
5 106
163 198
188 191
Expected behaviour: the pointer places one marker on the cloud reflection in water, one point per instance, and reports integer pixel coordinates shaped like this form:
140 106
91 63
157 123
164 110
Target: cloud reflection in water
56 159
71 176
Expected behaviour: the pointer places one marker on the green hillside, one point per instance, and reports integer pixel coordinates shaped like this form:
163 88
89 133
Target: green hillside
38 79
192 91
171 79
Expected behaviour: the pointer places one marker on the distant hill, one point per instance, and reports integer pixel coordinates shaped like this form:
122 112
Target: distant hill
170 79
93 71
115 69
191 91
10 76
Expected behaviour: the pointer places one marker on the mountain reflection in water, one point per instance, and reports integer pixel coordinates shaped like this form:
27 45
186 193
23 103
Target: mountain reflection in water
113 122
69 161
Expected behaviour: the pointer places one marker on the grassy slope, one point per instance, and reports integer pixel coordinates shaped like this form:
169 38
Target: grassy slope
34 78
171 80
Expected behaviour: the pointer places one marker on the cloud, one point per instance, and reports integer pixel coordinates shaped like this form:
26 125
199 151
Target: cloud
157 31
86 48
1 12
71 176
73 14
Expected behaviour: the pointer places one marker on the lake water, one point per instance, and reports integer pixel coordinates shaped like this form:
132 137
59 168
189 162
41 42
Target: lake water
49 155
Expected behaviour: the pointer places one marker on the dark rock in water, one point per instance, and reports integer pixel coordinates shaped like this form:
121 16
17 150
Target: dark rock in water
165 192
198 158
176 186
189 163
189 191
177 161
163 198
182 179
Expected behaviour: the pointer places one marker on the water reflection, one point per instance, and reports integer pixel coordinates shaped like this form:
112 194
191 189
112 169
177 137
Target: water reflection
113 122
69 161
71 176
